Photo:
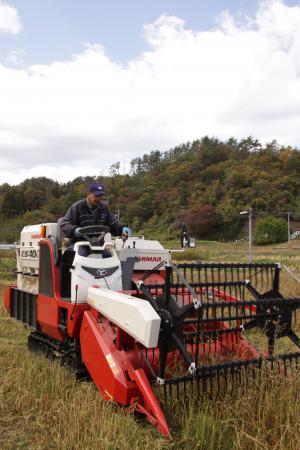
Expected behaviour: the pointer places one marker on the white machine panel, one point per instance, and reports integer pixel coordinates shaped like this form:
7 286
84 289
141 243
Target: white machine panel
133 315
149 253
28 255
93 269
29 243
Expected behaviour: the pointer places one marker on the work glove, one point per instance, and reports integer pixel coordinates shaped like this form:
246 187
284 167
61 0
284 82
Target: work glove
127 231
77 232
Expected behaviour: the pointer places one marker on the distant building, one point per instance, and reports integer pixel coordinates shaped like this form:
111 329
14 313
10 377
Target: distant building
295 234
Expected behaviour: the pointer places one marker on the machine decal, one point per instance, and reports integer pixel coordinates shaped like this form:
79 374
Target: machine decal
30 254
112 364
100 273
150 258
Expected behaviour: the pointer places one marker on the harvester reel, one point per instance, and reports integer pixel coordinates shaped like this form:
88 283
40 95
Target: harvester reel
275 320
204 313
170 338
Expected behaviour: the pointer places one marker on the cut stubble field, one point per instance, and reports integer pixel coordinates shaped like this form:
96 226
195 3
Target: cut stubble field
42 406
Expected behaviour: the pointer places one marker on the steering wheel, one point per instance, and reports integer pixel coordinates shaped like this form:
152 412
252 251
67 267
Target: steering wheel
94 233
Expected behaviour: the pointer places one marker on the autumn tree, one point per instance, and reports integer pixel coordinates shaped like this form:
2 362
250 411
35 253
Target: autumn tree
200 220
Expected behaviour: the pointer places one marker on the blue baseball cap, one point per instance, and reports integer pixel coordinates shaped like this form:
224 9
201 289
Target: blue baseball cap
97 189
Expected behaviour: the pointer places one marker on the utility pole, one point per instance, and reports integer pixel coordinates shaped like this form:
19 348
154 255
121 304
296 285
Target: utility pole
289 233
250 216
250 235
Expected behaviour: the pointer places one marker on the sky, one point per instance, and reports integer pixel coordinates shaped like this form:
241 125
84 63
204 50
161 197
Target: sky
86 84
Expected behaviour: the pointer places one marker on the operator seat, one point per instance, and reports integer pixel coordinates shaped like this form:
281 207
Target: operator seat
60 234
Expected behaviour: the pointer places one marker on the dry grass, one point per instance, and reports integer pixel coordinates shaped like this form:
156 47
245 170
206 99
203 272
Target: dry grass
238 252
43 407
262 415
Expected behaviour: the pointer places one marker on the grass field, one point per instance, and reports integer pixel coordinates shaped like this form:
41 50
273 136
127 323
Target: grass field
43 407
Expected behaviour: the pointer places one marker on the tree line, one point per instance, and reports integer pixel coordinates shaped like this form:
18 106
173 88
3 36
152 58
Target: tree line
204 183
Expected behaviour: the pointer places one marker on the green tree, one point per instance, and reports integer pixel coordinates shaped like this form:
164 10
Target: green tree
114 169
270 230
34 198
13 202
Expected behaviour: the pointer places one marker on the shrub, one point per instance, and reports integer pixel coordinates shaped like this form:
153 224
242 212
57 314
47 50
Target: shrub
270 230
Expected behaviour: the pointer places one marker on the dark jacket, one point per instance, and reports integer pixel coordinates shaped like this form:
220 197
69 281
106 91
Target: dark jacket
80 214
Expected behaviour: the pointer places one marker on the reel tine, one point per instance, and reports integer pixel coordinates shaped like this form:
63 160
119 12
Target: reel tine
231 377
255 277
171 391
165 393
198 389
177 390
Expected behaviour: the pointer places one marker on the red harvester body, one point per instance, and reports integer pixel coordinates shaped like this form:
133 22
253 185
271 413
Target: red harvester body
200 314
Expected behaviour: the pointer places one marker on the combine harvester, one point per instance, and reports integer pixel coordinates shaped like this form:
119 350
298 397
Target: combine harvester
138 324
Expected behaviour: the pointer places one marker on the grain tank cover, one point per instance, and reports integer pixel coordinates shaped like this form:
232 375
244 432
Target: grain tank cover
28 252
29 243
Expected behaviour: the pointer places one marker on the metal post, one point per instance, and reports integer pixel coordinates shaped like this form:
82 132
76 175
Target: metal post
289 234
250 214
250 235
167 283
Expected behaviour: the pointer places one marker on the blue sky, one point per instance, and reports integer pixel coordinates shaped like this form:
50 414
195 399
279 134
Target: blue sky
56 29
86 84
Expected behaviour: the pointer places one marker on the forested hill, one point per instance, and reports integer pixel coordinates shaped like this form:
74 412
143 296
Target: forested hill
205 183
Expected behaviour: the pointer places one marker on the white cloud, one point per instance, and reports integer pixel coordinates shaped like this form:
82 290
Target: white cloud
16 58
79 116
9 19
